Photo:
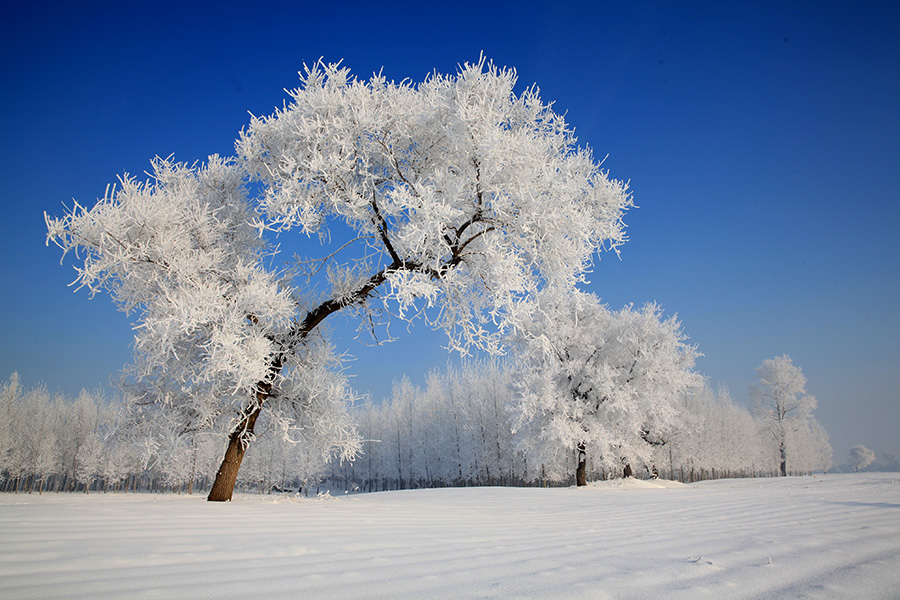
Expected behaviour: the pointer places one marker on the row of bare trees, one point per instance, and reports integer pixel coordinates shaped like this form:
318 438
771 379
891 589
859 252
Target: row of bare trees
457 430
54 443
57 443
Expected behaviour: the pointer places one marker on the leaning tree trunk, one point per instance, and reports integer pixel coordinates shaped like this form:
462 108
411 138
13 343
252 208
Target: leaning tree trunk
226 477
581 469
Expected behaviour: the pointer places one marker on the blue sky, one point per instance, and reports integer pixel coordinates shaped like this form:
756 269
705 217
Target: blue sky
761 140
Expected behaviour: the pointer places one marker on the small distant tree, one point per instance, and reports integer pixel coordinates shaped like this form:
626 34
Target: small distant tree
450 200
599 381
861 457
781 401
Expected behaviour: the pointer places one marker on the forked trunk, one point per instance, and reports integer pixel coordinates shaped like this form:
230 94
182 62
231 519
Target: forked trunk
581 469
226 477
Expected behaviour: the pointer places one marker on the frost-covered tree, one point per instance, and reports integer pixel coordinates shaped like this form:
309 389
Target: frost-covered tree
78 448
712 434
455 431
9 394
861 457
449 200
600 381
49 442
36 450
811 448
781 401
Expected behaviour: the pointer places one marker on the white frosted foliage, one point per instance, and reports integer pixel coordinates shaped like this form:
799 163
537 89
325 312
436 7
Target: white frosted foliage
451 201
461 192
782 403
861 457
603 381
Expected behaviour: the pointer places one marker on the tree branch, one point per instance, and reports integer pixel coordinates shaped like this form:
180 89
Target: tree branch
382 227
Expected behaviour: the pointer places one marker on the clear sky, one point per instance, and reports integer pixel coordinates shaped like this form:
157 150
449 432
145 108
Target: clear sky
761 140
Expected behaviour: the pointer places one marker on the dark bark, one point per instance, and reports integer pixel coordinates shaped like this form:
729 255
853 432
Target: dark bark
581 469
783 451
226 477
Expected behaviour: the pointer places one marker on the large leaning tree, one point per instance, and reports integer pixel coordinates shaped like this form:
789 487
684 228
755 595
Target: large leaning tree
448 201
599 381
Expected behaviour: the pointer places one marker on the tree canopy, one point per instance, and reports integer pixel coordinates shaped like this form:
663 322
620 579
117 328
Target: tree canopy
451 200
781 400
600 380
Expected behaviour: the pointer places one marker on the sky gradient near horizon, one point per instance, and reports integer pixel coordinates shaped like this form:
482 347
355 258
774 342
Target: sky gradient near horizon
761 142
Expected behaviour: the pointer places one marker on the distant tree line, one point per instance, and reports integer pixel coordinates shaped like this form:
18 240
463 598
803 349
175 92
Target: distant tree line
54 443
463 428
458 430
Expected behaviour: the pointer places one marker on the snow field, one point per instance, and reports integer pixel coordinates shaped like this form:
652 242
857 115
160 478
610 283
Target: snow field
834 536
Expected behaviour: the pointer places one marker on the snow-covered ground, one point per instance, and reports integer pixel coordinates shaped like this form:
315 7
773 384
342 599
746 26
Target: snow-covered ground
833 536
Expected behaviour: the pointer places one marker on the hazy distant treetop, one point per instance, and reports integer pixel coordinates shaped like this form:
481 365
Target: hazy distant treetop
861 457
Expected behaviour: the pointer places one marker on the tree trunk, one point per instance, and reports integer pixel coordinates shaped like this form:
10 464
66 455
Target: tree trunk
581 469
783 451
190 488
226 477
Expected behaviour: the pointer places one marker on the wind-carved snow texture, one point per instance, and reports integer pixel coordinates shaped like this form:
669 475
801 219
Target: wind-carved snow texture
833 536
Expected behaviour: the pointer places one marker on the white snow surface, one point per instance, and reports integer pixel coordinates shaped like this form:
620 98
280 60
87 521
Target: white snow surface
832 536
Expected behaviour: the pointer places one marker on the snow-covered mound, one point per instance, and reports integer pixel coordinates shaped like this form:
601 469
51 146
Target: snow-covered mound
632 483
836 536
